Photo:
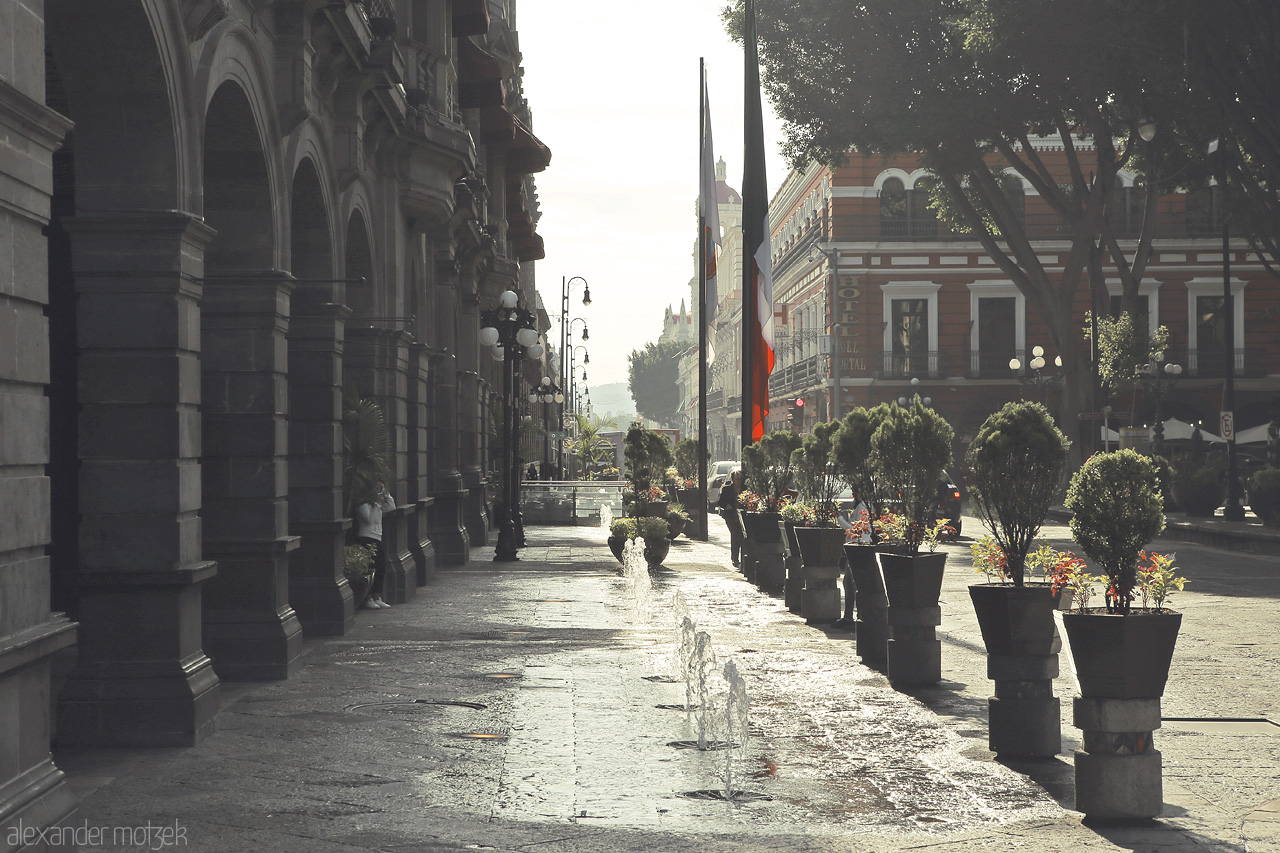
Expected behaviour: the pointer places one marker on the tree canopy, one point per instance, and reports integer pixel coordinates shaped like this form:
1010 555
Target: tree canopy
978 88
653 374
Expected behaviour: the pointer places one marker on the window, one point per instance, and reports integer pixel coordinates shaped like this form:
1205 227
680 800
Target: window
1207 326
997 331
1128 204
1204 211
910 330
904 213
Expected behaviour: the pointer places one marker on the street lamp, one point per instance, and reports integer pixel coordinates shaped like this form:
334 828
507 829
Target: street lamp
833 260
1041 382
566 285
546 392
585 334
1158 381
510 331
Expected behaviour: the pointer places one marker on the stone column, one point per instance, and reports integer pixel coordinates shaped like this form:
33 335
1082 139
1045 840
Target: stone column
250 630
318 590
377 359
475 510
422 453
1024 718
1119 772
142 677
448 529
32 793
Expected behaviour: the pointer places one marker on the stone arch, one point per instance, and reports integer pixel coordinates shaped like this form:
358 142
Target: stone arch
359 263
238 202
311 249
230 61
130 96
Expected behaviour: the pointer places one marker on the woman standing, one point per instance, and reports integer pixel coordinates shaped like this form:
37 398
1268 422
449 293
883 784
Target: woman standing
369 532
727 506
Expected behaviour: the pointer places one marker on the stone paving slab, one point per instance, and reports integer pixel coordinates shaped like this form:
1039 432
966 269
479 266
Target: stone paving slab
370 746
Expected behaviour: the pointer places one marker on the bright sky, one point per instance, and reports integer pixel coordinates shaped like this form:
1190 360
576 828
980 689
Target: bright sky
613 87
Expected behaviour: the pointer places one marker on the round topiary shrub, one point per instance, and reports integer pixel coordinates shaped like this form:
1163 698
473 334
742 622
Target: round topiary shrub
1016 463
1264 496
911 448
1199 485
1116 511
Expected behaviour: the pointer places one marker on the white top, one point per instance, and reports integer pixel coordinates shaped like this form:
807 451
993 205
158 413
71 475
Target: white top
369 517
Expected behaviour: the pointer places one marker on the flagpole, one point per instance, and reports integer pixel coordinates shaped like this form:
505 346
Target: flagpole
748 279
703 527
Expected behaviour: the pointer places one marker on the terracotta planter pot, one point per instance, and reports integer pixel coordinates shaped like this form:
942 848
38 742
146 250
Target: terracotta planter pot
677 524
762 526
820 546
912 581
655 551
1016 620
1122 657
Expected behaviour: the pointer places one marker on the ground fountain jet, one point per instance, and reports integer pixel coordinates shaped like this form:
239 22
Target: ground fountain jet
606 516
737 708
636 570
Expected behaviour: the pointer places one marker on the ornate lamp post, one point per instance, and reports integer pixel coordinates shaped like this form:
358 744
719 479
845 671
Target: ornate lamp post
1159 381
546 392
566 285
1041 382
511 332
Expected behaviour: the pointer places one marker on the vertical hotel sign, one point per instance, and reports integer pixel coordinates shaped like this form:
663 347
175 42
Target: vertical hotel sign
849 310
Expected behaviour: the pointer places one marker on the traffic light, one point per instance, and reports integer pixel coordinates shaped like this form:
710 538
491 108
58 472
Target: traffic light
795 412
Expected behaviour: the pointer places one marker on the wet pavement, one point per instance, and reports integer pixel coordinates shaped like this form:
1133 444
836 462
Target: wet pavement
533 706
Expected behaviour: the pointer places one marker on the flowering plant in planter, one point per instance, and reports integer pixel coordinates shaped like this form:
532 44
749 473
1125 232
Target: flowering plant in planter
1016 462
912 448
859 528
798 512
768 469
652 528
1116 510
817 478
1157 579
623 528
750 501
851 456
357 562
893 528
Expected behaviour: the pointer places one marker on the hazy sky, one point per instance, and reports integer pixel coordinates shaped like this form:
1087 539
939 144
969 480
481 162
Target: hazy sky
613 87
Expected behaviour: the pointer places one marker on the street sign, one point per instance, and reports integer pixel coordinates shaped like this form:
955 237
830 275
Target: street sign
1227 425
568 420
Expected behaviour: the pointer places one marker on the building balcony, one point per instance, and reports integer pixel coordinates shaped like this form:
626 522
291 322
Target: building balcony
795 377
910 365
872 228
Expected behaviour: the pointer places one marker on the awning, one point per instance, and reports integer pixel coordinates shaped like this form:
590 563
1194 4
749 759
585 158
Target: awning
527 154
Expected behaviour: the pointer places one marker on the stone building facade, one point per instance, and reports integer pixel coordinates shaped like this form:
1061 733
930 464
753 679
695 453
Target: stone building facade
215 215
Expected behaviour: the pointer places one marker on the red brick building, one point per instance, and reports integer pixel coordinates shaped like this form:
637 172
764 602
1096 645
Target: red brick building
860 261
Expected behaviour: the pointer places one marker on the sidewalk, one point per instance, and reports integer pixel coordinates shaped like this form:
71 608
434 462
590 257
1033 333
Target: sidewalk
518 707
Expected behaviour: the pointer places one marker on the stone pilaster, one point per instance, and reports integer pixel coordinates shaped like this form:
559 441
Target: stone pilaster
250 629
142 677
423 452
32 793
377 360
318 590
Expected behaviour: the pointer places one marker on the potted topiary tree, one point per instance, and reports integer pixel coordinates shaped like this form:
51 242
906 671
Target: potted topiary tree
693 499
1016 463
911 449
819 536
1121 653
620 530
851 454
648 456
767 467
654 531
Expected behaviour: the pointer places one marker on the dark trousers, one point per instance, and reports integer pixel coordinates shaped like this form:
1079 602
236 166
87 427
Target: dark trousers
379 564
736 534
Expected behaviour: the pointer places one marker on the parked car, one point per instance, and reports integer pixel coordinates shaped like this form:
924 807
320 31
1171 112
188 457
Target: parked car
717 475
946 505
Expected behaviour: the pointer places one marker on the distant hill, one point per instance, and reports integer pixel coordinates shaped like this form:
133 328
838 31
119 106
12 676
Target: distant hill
613 401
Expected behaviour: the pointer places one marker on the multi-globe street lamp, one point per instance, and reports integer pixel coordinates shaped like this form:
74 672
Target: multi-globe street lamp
566 285
546 392
510 331
1040 381
1159 381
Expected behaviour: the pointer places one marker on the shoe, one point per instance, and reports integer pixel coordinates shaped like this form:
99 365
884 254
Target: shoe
378 602
736 564
369 604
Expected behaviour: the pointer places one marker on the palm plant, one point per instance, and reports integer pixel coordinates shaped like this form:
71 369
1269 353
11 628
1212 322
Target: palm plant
590 448
366 449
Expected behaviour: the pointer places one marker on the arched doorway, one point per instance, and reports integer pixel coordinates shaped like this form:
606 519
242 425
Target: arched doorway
250 630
